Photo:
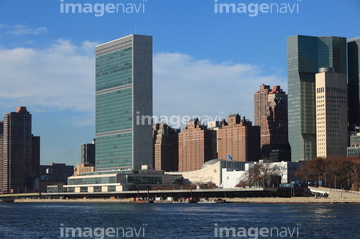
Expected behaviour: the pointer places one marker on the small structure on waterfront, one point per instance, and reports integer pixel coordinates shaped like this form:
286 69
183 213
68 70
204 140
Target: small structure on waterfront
120 180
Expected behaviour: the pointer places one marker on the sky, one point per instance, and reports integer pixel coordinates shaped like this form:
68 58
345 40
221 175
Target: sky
208 61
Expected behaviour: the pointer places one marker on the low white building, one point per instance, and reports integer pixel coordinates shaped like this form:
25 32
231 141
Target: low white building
227 174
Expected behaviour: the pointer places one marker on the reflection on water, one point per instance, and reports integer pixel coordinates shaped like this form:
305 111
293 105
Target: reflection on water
35 220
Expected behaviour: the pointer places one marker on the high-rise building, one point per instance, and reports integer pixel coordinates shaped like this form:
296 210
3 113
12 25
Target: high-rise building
1 154
331 113
21 152
197 145
238 140
354 82
306 54
35 156
166 150
124 103
271 115
261 104
88 154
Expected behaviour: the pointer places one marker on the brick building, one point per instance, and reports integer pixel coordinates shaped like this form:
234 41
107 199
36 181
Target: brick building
166 150
197 145
239 139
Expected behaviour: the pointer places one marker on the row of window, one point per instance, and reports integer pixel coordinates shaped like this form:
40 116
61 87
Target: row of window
95 189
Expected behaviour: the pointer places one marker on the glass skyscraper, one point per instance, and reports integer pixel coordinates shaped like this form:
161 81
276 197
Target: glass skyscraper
306 54
124 103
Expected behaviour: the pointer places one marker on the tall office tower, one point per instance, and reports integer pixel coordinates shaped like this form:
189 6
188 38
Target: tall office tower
197 144
306 54
239 140
261 103
124 103
354 82
331 113
166 150
88 154
17 151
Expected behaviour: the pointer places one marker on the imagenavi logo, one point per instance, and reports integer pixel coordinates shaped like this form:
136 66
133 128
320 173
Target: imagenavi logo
254 9
99 9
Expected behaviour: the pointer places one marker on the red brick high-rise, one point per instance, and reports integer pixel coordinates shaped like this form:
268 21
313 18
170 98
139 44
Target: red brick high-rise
197 144
261 103
166 150
271 114
239 139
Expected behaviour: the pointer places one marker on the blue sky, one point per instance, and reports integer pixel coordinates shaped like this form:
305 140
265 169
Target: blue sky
205 63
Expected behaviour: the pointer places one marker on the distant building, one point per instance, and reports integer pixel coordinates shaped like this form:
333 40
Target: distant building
331 113
271 114
35 154
279 152
210 172
20 152
88 154
353 46
56 172
284 170
197 144
118 181
354 149
306 54
82 169
239 140
274 124
214 125
166 150
228 174
261 104
124 103
1 154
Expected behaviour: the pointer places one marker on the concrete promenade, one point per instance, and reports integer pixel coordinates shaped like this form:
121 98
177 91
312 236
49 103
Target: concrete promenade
332 196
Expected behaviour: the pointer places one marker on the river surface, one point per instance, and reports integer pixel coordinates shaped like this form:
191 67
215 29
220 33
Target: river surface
127 220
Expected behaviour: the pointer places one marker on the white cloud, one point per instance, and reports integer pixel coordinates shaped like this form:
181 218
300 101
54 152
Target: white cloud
58 77
26 30
187 86
62 77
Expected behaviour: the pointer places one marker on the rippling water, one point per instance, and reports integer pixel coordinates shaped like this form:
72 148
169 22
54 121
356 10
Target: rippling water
34 220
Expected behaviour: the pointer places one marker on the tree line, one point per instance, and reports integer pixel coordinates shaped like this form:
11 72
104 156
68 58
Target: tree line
334 172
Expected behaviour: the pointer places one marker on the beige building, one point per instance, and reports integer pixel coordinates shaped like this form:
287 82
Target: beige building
331 113
82 168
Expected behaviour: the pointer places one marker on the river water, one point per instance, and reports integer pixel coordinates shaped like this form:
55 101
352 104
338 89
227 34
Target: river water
227 220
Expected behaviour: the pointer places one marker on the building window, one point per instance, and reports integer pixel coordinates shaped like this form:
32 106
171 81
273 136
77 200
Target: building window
97 189
71 189
83 189
111 188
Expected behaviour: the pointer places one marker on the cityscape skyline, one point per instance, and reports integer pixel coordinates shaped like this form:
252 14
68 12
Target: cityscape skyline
217 56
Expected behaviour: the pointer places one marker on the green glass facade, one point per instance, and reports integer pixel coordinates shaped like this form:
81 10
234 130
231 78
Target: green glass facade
306 54
123 88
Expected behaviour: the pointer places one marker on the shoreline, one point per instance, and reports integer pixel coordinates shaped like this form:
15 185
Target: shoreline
228 200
